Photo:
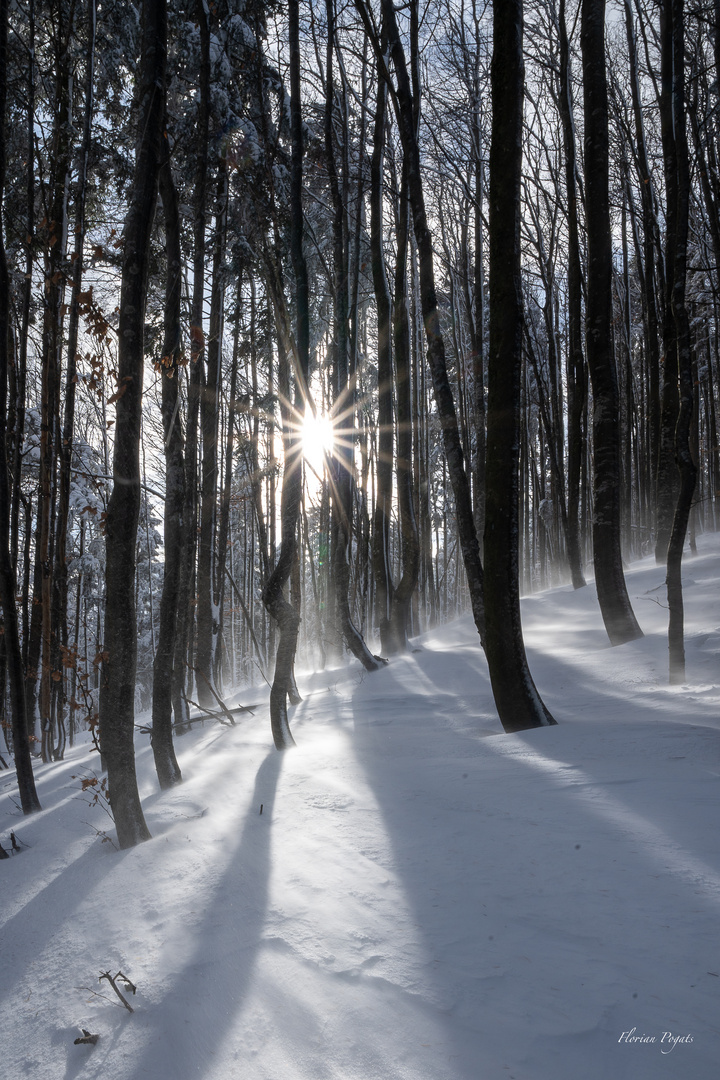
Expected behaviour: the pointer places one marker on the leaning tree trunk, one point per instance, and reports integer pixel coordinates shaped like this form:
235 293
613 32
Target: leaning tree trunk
407 121
117 689
285 615
518 702
677 186
11 637
617 613
343 396
382 573
166 765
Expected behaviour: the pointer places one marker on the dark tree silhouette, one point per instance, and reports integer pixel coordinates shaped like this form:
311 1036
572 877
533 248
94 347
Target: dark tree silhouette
117 691
518 702
617 613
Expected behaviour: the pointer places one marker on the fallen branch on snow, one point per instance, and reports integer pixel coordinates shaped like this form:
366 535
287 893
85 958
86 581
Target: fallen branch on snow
128 986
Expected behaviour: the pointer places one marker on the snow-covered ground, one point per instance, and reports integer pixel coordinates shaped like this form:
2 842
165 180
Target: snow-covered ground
422 896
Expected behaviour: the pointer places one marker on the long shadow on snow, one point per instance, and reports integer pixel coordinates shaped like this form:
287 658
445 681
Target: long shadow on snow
595 699
438 815
396 758
190 1022
591 692
50 904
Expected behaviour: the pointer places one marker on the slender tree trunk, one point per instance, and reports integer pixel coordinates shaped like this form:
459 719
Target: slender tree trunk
617 613
518 702
208 624
11 638
668 478
677 185
384 590
650 231
409 539
166 765
117 691
60 575
344 391
576 374
21 379
281 610
52 344
182 675
407 119
224 538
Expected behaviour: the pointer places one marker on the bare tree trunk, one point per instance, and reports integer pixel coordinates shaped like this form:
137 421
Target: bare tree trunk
409 539
11 638
650 231
576 374
344 391
208 625
166 765
117 690
518 702
408 103
382 572
21 378
224 526
52 344
182 668
617 613
677 185
281 610
60 575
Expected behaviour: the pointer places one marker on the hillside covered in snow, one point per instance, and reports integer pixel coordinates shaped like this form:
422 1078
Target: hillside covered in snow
410 894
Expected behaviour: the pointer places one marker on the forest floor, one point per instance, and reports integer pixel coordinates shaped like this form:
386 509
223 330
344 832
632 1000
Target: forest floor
422 896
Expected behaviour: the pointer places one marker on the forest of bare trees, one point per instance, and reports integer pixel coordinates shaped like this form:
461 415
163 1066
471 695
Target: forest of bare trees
322 324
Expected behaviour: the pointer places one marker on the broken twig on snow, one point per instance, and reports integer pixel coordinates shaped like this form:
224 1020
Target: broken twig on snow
128 986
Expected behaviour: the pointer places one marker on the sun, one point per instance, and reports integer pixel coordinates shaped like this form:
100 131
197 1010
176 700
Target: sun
317 439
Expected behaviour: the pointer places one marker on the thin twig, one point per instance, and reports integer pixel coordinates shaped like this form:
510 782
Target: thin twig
213 691
111 980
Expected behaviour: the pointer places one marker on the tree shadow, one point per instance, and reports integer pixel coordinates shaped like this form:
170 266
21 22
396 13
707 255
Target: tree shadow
177 1022
485 912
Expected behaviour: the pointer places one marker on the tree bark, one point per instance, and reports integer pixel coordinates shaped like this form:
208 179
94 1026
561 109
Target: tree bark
117 691
166 764
650 232
384 589
11 638
518 702
60 575
281 610
52 347
343 390
668 479
617 613
576 374
208 622
677 186
407 119
409 539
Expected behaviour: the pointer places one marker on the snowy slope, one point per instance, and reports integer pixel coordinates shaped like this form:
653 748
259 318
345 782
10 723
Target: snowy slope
422 897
